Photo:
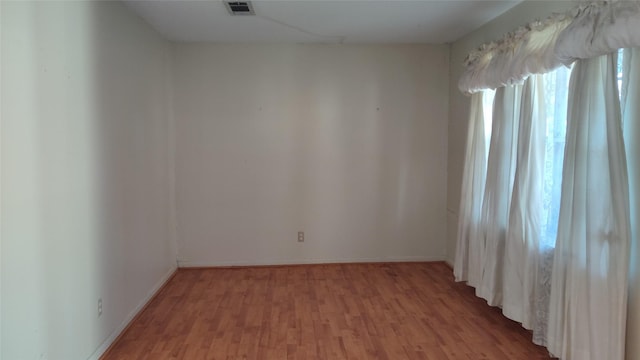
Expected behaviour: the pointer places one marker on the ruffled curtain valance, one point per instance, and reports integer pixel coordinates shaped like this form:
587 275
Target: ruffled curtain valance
584 32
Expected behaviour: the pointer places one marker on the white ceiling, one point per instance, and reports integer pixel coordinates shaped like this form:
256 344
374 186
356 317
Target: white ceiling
320 21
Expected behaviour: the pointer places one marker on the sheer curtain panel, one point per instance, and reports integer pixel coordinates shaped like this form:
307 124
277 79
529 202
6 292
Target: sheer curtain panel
554 233
588 305
467 263
497 197
522 254
631 118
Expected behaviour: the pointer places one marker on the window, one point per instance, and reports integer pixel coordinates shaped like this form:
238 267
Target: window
555 88
620 71
556 91
487 107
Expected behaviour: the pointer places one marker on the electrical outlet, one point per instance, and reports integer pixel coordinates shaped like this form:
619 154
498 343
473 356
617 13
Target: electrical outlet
99 307
300 236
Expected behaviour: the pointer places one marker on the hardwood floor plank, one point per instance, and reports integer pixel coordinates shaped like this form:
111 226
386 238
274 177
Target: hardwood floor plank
337 311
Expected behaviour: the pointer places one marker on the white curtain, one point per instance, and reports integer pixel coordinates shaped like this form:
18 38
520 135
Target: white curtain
589 283
533 216
497 196
631 118
528 50
506 238
598 29
589 30
473 182
578 283
522 254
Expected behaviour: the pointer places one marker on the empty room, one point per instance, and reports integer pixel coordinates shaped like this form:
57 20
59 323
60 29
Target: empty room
319 179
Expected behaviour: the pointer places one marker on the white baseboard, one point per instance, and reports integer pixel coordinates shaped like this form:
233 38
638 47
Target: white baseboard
114 335
188 264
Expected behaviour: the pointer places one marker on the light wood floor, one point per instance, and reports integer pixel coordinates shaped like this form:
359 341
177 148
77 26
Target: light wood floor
347 311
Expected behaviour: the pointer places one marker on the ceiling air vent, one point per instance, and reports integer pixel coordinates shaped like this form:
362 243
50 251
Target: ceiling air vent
239 7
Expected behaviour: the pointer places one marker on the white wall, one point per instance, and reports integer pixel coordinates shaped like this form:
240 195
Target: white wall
459 109
85 175
345 143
